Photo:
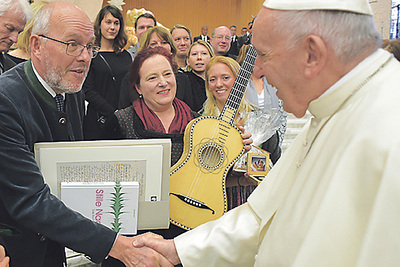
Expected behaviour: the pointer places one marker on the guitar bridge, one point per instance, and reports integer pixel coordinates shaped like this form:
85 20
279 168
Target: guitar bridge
193 202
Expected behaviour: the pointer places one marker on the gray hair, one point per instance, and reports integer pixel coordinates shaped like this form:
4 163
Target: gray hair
42 21
348 34
21 6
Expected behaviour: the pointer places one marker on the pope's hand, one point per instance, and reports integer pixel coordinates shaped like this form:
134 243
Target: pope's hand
162 246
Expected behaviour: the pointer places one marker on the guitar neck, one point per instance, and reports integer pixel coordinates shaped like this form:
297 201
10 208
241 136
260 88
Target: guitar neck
235 97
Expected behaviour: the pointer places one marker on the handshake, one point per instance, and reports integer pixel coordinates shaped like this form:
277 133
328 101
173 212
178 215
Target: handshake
145 250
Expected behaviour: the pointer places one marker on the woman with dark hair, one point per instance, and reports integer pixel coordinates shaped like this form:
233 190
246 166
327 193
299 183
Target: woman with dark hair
103 84
156 112
154 37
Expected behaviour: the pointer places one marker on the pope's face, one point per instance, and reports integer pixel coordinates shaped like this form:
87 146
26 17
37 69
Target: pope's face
276 63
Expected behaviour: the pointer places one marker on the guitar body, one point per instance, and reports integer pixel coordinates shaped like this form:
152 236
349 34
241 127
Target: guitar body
197 184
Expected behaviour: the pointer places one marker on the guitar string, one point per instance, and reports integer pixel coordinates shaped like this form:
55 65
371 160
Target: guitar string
212 155
197 177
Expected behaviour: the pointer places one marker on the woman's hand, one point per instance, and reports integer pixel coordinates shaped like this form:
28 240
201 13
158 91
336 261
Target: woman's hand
247 141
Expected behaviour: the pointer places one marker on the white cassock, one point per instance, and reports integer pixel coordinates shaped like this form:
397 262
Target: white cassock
333 199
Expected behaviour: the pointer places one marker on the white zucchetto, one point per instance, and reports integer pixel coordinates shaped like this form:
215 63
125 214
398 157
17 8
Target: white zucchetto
355 6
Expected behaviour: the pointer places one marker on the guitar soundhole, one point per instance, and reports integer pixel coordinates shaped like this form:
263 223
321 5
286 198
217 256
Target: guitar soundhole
211 156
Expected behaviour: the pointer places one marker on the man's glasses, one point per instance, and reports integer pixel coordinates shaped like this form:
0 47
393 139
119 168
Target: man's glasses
74 49
220 37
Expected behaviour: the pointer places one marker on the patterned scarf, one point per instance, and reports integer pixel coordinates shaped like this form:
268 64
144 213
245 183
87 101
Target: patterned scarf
151 121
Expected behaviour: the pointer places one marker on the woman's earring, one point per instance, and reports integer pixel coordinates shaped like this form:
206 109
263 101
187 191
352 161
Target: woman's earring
140 96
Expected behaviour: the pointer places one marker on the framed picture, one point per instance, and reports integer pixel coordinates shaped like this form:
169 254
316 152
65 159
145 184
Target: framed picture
257 163
146 161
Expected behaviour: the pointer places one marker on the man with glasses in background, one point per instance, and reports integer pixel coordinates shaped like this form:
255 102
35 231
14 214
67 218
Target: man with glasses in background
221 41
41 101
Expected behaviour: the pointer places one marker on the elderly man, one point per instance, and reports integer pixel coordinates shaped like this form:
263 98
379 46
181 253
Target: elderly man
221 41
333 199
35 225
13 16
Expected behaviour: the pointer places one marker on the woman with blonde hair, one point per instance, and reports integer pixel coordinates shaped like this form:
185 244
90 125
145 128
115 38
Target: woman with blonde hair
191 86
226 70
220 74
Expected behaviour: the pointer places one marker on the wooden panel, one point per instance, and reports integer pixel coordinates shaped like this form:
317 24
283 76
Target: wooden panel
196 13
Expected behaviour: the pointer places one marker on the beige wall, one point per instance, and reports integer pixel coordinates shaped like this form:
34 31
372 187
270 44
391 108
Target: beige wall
195 13
382 11
91 7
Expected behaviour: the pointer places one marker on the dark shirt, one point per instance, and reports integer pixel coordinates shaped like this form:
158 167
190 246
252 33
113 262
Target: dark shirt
191 89
102 90
5 63
35 225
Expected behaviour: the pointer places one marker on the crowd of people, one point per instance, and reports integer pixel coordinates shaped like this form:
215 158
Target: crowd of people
68 80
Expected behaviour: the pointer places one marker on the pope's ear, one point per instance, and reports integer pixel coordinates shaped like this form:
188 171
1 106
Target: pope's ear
316 54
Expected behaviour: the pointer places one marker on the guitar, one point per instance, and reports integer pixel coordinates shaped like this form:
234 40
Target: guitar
211 146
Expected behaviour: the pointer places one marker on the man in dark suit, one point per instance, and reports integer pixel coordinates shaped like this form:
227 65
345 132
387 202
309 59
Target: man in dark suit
35 226
13 16
246 38
203 36
234 50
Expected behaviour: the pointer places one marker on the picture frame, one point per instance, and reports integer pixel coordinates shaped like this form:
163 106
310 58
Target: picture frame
144 160
258 163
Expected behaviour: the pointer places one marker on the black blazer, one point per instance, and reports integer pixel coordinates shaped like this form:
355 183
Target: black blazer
35 225
196 38
244 39
6 63
234 49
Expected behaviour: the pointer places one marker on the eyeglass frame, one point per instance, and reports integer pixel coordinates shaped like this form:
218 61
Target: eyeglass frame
94 49
226 37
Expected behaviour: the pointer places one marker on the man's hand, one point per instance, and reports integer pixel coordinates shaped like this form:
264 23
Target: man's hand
124 250
162 246
4 261
247 141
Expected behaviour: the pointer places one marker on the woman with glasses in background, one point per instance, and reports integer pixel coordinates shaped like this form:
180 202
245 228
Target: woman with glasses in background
102 86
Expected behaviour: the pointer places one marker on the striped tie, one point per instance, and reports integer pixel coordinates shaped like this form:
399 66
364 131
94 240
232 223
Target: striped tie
59 102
